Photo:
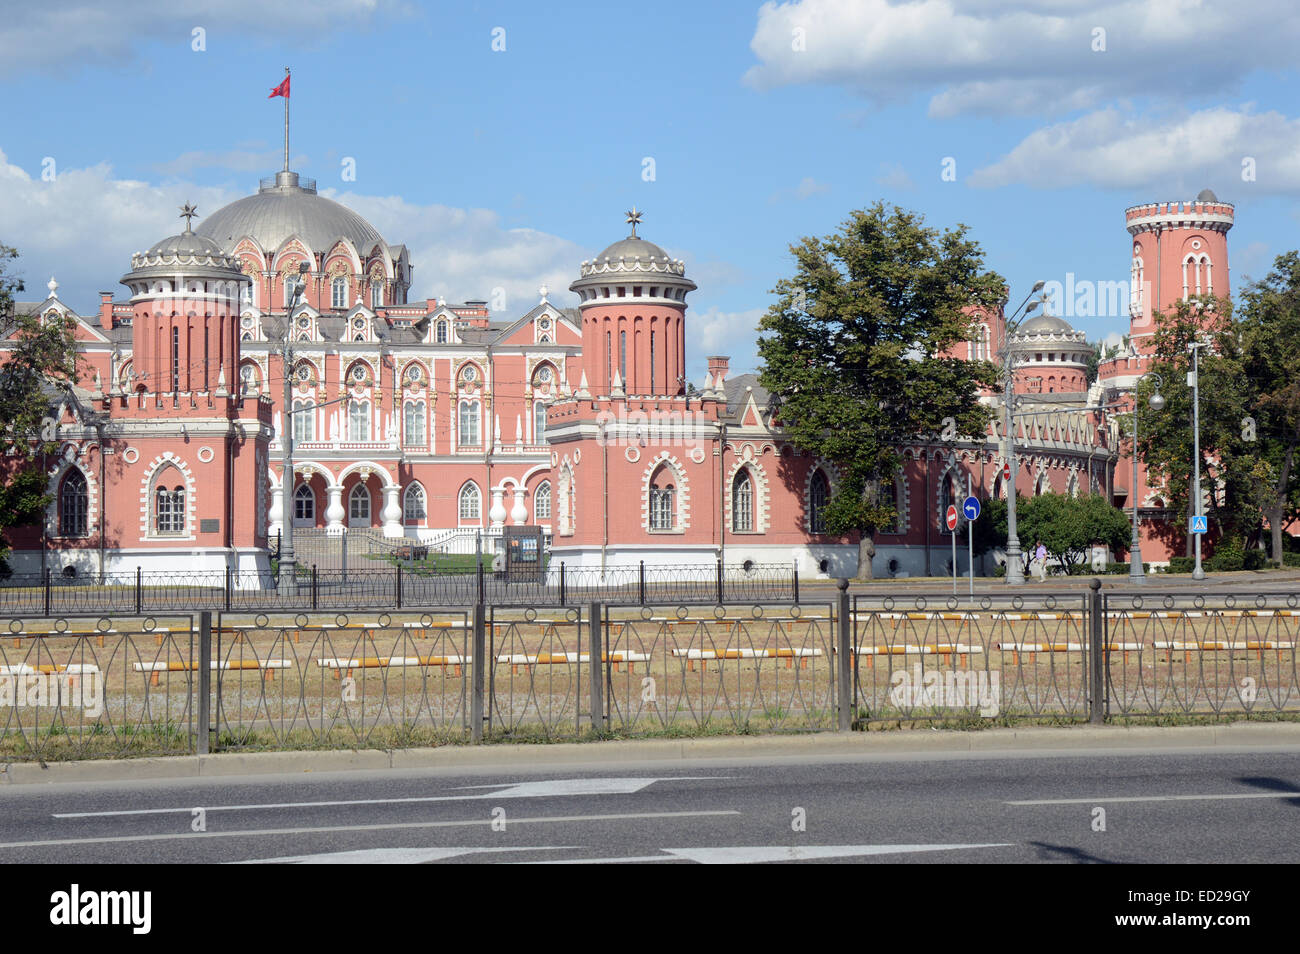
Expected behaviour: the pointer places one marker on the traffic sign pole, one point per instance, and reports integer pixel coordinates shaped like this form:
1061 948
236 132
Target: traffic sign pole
950 519
970 544
953 533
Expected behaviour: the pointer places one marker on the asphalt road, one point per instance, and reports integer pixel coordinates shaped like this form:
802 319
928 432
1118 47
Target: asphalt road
1160 805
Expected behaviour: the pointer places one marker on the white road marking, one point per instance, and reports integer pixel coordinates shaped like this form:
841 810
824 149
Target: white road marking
1154 798
395 826
388 856
553 788
761 854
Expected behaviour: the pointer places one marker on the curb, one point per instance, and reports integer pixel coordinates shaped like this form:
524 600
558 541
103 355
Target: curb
1074 740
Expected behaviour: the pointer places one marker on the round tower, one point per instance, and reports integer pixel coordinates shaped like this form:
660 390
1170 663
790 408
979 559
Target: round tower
633 305
1180 250
185 296
1054 357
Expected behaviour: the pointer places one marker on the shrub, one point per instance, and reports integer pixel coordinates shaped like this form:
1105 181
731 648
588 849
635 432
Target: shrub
1181 564
1228 556
1290 559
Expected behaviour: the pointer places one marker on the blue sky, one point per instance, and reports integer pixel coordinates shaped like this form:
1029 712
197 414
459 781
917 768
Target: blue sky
504 169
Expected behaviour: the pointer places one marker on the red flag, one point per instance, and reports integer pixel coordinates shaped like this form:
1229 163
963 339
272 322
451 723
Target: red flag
281 90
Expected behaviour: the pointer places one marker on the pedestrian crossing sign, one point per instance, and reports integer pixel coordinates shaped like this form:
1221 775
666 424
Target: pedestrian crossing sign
1198 524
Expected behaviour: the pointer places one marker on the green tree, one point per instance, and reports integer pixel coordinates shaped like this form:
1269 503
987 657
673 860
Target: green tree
1270 332
39 366
1068 527
1230 471
855 353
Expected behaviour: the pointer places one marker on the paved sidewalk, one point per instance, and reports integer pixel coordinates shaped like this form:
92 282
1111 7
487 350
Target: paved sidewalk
1073 740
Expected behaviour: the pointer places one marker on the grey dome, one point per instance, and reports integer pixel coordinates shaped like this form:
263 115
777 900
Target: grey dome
282 208
1206 195
632 248
1045 325
187 243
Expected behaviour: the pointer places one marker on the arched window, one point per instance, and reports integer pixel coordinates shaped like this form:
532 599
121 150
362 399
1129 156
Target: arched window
359 506
304 506
539 421
304 420
74 505
413 507
818 492
542 501
413 423
468 435
742 503
339 292
441 335
169 509
358 420
891 495
663 500
376 293
469 502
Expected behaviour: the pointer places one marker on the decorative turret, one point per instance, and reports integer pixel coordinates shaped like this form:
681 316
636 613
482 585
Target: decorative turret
633 305
185 295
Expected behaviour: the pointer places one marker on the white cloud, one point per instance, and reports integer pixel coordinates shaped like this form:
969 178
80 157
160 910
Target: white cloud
806 189
894 176
1021 56
733 333
54 34
84 226
466 253
1115 149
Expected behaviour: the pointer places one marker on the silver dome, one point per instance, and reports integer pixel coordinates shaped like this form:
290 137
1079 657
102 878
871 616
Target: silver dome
284 207
1045 325
1206 195
632 248
187 243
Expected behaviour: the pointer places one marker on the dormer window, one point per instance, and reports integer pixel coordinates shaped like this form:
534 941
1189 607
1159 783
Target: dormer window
441 335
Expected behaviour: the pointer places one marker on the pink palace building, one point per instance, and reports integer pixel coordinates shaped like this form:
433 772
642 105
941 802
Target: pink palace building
444 423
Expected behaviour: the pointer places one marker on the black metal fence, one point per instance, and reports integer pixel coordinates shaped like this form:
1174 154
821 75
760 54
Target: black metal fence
172 683
390 588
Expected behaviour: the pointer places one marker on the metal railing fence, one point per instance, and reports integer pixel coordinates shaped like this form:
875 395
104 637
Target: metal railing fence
174 683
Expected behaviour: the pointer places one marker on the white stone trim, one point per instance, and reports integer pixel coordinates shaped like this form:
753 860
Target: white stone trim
762 499
156 466
55 475
832 482
683 493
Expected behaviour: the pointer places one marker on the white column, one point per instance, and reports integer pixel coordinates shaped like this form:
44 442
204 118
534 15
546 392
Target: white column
334 513
498 512
392 512
275 519
519 513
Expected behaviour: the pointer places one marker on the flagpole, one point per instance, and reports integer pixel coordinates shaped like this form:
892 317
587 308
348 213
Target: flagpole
286 125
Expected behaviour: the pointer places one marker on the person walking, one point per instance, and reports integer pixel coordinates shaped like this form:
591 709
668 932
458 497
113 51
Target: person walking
1040 553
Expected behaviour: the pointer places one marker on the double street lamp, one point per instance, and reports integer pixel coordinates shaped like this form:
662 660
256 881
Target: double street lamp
1015 571
1157 403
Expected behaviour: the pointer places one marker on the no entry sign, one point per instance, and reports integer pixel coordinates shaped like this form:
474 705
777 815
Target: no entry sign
951 517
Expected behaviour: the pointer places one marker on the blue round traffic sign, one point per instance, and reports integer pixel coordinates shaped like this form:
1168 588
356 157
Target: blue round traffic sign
971 508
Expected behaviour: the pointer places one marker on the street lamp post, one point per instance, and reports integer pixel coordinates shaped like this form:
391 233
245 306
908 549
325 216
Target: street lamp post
1015 572
1157 403
288 581
1198 573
